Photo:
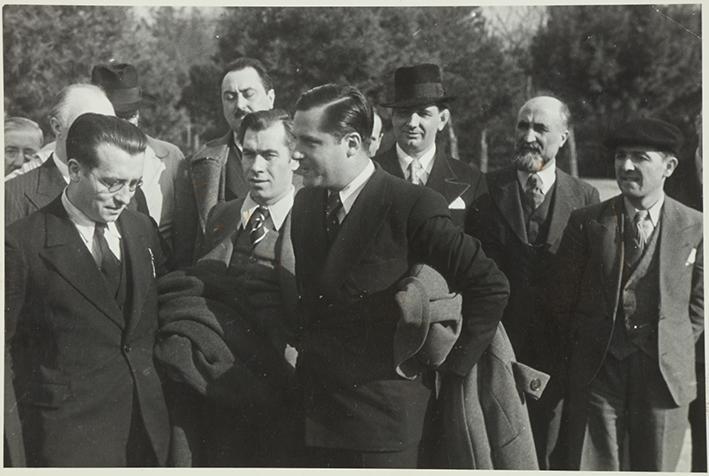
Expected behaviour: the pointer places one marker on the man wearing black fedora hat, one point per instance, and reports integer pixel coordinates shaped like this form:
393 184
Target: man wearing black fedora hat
419 112
163 162
630 295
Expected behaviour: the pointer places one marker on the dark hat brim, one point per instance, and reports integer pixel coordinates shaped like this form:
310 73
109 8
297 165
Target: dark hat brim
422 101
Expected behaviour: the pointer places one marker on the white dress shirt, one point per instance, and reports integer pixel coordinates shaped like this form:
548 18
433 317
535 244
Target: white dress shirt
85 226
349 194
426 161
277 212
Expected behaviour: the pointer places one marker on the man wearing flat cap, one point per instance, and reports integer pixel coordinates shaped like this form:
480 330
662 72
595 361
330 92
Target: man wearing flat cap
419 112
163 159
630 295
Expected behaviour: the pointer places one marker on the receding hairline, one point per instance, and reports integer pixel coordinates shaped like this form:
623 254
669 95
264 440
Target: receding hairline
68 100
562 109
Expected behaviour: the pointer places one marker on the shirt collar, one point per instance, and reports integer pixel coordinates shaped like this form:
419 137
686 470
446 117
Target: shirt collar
62 167
547 175
84 224
277 211
653 211
349 194
426 160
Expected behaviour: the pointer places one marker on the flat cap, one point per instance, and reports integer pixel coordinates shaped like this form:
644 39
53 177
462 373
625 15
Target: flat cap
646 132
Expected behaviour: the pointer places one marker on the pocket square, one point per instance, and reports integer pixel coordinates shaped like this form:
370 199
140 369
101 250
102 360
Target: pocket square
457 204
692 257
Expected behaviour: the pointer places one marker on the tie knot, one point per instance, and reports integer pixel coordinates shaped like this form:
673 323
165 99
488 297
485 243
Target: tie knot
100 228
333 203
534 182
640 216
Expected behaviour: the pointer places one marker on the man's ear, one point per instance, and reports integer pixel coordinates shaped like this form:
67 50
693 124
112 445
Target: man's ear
353 141
564 138
671 164
444 115
56 126
271 95
74 170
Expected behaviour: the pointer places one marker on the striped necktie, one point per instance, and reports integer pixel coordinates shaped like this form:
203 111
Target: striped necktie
332 221
257 225
534 193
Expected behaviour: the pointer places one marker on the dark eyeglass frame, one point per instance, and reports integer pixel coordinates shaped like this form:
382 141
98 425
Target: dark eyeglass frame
118 185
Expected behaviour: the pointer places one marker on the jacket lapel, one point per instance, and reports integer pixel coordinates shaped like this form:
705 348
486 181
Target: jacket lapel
67 253
390 163
505 193
223 232
443 180
356 232
607 235
564 200
50 184
206 170
140 257
673 250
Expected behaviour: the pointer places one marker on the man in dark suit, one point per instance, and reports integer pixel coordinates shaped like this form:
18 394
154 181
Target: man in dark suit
521 232
250 253
32 190
214 172
631 293
81 313
420 111
357 231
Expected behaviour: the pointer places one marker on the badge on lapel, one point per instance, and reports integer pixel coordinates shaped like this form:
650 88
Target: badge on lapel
152 261
457 204
692 257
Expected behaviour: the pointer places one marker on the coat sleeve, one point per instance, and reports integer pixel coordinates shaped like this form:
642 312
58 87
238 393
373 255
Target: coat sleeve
438 242
696 299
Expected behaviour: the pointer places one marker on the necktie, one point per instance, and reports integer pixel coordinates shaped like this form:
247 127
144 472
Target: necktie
533 192
332 221
257 225
637 237
415 169
107 262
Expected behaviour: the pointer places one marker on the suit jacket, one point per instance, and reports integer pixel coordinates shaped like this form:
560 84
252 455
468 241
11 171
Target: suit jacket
590 283
450 177
165 183
31 191
354 398
201 186
78 360
498 222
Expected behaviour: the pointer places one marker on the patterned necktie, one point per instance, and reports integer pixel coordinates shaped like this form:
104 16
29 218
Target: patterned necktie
332 221
533 192
257 225
637 237
415 169
107 262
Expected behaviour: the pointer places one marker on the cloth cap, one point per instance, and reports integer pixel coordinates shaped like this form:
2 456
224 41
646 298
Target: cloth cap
646 132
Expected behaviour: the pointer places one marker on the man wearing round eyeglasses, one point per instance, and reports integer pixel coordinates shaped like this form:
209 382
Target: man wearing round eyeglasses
81 313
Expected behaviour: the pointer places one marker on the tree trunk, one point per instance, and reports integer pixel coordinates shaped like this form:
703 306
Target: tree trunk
453 139
483 151
573 160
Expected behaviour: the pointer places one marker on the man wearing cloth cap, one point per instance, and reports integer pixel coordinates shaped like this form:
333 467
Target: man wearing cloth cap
420 111
520 223
630 294
163 159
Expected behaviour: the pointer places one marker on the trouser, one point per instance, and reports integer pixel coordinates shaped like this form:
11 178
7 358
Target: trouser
139 449
698 423
548 424
626 397
342 458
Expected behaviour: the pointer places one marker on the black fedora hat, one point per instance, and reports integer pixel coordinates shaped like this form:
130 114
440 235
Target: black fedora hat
120 81
418 85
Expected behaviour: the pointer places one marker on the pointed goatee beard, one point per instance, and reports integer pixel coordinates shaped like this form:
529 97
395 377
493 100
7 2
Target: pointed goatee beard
528 161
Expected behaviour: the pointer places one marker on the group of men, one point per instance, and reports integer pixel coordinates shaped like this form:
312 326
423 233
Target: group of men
271 341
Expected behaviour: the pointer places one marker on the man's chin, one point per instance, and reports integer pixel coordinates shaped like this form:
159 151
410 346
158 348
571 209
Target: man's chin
528 162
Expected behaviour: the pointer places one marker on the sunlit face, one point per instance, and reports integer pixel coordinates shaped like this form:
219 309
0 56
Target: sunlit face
321 155
243 92
20 146
415 128
89 187
641 174
267 164
540 133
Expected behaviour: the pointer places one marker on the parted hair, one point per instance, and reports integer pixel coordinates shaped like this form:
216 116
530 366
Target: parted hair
246 62
346 110
262 120
91 130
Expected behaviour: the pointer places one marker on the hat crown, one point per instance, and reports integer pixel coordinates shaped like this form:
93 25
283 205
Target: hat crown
418 85
646 132
114 76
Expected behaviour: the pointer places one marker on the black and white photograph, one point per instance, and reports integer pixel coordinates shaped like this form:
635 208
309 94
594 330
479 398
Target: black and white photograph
351 235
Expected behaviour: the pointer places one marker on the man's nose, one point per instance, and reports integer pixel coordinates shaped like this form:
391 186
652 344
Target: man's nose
241 102
625 163
414 120
297 154
528 135
124 194
258 164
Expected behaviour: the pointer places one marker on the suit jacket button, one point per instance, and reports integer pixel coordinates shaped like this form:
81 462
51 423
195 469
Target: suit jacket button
535 384
126 348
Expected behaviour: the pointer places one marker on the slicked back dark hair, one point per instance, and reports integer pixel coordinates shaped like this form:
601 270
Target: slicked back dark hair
246 62
262 120
91 130
346 110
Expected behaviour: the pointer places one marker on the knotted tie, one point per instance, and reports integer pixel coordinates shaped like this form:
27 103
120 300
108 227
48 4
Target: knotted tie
107 262
257 225
415 169
332 221
533 192
638 236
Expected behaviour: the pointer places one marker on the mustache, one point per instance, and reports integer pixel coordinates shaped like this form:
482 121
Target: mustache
525 147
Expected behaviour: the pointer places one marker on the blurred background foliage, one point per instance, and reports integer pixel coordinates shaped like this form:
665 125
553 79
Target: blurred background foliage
608 62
